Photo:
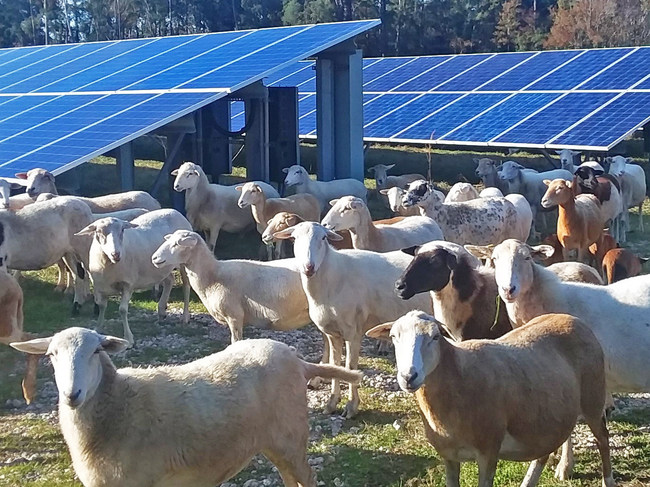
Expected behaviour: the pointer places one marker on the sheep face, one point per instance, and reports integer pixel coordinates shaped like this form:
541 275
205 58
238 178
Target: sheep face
416 337
430 270
250 195
187 176
417 193
5 193
559 192
513 263
510 170
485 167
310 245
381 173
344 213
75 354
280 221
38 181
586 178
567 156
109 234
295 175
175 249
617 165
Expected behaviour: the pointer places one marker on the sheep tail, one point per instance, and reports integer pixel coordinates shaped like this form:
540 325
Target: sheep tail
332 372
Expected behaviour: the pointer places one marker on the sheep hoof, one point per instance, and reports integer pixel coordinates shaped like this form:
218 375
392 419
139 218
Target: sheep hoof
96 310
351 410
59 289
332 405
315 383
76 309
563 471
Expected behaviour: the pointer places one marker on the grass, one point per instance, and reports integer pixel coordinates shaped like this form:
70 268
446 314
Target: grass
383 446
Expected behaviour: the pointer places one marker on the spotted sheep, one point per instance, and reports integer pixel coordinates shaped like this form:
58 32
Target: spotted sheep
485 220
608 191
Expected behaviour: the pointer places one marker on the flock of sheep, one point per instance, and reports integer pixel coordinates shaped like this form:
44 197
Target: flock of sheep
504 355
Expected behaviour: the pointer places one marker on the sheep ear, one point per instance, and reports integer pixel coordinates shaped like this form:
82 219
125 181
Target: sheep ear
284 234
333 202
49 176
174 172
168 236
558 152
112 345
333 236
411 250
21 175
239 188
380 332
356 204
644 260
541 252
188 241
569 184
452 261
37 346
480 251
127 225
89 230
629 160
285 170
372 169
390 166
547 182
383 191
445 332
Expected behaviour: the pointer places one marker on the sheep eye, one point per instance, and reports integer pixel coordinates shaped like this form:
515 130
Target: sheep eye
99 349
435 337
325 237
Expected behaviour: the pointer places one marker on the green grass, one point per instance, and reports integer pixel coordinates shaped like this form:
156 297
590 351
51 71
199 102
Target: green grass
369 451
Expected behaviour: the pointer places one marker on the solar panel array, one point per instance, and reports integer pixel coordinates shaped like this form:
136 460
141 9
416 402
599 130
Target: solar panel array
61 105
582 99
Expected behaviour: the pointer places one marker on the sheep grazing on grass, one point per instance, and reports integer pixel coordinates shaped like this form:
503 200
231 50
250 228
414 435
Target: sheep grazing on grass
580 219
352 214
211 208
324 191
485 400
348 292
11 329
195 425
120 261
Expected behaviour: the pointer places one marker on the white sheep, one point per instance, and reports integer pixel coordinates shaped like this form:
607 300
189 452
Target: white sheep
195 424
488 171
461 192
38 181
491 193
530 184
324 191
120 261
384 181
617 314
350 213
483 400
8 202
395 196
487 220
567 159
42 234
348 292
633 186
211 208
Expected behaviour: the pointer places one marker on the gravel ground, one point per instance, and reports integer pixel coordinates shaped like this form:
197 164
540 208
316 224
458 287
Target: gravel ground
183 348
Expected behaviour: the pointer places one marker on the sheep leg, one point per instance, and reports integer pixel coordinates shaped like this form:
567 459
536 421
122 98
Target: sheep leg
336 344
293 466
79 281
211 237
641 216
534 472
236 330
29 380
598 426
452 473
62 277
352 363
186 294
566 254
124 313
564 468
316 382
101 301
487 467
167 285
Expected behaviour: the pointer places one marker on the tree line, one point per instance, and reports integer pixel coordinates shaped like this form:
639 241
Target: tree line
409 27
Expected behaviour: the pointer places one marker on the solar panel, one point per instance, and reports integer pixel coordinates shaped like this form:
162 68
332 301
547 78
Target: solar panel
61 105
544 99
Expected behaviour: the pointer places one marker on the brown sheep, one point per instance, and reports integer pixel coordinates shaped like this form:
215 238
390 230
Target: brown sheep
620 264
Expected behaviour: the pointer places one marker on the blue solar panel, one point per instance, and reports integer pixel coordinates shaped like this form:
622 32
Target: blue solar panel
623 74
379 105
408 114
307 115
452 116
606 126
293 75
237 115
443 72
530 71
382 68
403 74
540 128
27 56
506 114
45 78
579 69
484 72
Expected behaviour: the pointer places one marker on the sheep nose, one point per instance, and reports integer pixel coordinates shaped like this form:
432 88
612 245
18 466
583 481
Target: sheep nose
309 269
509 291
400 285
115 256
409 377
73 397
